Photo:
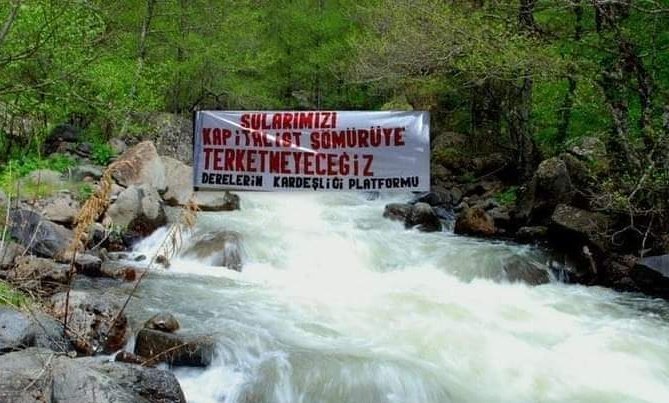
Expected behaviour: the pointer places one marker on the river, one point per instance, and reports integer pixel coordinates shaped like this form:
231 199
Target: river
337 304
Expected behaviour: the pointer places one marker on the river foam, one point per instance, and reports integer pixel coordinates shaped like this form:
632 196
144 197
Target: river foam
337 304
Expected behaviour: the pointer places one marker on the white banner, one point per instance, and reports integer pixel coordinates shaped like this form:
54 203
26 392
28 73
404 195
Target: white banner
312 150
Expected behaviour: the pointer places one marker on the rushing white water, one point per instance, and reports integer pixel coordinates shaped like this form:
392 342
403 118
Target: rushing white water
336 304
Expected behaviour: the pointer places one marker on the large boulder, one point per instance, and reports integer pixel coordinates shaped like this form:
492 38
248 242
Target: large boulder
175 349
164 321
40 375
519 269
19 330
397 211
138 209
85 172
215 201
222 248
140 165
423 218
37 234
172 134
38 274
476 222
576 226
61 209
9 251
92 321
179 178
552 186
651 275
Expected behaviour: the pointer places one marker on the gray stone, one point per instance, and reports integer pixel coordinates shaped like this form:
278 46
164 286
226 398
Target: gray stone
61 209
532 234
45 177
117 145
40 236
91 324
138 209
141 165
423 218
397 211
80 172
4 199
38 274
580 225
164 321
214 201
179 178
651 275
9 251
522 270
172 134
175 349
222 248
19 330
34 374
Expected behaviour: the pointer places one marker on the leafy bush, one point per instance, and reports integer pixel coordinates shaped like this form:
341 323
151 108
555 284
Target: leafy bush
9 296
102 153
508 196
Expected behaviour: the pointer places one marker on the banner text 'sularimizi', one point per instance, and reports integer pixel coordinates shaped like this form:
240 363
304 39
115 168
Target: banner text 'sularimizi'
315 151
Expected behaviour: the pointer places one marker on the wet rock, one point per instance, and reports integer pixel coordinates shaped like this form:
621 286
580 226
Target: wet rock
87 264
475 221
91 325
38 274
179 177
39 375
19 330
61 209
551 185
37 234
9 251
456 195
526 271
423 218
573 225
651 274
164 321
532 234
214 201
138 209
141 165
174 349
120 271
222 248
397 211
130 358
433 198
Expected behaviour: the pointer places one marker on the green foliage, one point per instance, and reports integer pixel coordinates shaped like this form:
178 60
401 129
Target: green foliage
16 169
85 191
508 196
10 296
102 153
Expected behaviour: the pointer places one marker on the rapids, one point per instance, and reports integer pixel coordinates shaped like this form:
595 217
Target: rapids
337 304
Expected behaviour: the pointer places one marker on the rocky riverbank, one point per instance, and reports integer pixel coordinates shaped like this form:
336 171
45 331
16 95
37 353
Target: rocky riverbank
472 197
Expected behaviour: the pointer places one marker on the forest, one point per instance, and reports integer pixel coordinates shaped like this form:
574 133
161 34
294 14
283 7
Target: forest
525 79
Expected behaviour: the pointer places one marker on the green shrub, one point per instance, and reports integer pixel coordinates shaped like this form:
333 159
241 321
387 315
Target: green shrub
102 153
508 196
10 296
